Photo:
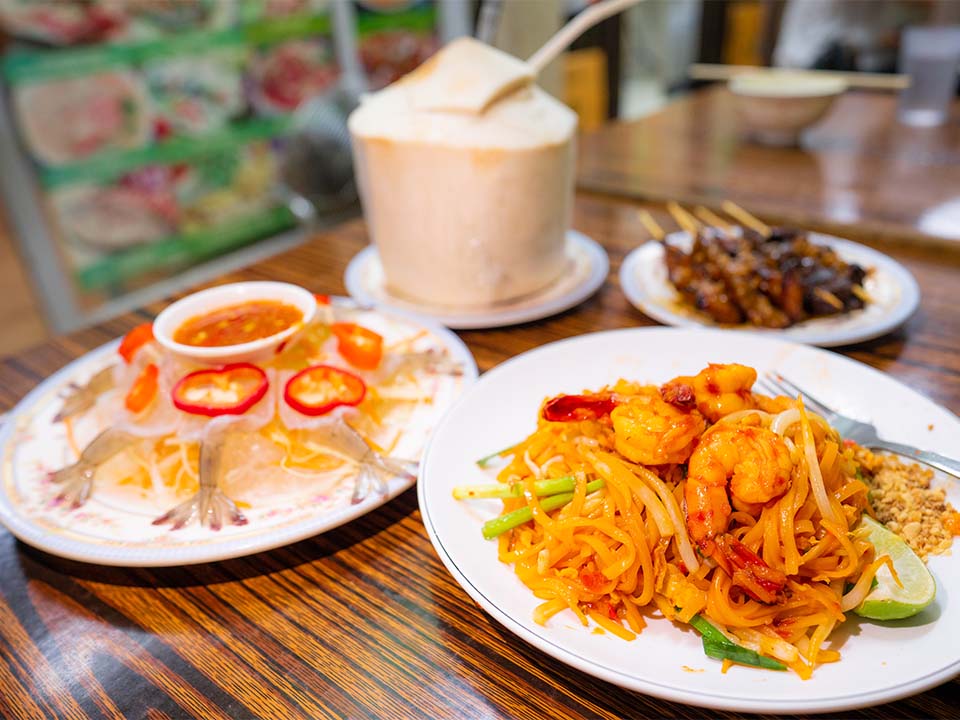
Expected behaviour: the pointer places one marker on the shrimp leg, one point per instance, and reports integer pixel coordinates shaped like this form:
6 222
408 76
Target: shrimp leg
209 505
373 470
77 479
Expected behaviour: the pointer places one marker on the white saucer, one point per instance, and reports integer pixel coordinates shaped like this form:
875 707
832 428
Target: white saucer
588 269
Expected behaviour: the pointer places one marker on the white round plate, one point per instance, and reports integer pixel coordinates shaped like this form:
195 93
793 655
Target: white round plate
896 295
588 269
881 661
115 529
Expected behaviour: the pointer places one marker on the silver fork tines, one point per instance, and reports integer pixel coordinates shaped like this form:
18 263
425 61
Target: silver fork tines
860 432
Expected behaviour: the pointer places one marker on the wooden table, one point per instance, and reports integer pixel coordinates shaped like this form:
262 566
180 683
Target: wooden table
858 169
363 621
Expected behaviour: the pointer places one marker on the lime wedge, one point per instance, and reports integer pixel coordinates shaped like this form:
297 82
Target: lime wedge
887 600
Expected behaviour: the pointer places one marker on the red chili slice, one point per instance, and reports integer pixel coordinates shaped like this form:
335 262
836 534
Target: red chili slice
572 408
134 340
143 390
321 388
361 347
228 390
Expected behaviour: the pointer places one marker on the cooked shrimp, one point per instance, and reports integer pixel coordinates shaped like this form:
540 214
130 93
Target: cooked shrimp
716 391
649 431
756 465
774 405
754 462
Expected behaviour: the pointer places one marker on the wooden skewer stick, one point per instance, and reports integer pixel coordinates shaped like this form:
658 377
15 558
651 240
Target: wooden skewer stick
651 225
828 297
861 293
708 217
684 219
746 218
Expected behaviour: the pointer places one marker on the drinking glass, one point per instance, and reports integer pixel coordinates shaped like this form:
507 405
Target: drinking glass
929 55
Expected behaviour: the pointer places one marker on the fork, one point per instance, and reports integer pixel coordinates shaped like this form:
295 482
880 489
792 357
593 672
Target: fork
860 432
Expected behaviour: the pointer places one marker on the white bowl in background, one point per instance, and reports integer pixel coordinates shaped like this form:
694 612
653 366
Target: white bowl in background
775 106
204 301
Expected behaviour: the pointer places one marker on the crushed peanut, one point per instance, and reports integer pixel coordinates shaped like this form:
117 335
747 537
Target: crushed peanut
904 501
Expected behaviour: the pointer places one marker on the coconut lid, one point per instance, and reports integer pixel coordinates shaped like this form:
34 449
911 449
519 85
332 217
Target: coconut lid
466 76
467 95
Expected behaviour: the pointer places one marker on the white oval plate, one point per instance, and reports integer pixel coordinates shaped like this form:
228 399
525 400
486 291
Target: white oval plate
113 529
588 269
881 662
643 277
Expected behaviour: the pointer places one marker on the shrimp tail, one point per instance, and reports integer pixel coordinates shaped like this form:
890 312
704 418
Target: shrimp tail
373 469
209 504
407 469
376 471
77 481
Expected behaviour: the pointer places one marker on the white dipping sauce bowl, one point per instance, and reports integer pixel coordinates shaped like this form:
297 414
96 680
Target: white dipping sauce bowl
205 301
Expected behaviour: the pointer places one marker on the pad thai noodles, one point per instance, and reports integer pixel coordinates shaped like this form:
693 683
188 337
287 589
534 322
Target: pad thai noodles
718 507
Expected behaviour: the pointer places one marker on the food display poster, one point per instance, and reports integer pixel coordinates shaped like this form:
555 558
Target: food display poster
394 37
157 130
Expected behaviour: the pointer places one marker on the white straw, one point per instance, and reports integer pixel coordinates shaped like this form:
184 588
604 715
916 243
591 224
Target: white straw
574 29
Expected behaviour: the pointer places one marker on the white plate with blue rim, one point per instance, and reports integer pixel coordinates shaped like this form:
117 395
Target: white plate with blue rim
114 527
893 291
880 662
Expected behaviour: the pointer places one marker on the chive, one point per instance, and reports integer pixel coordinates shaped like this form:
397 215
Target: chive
500 525
709 632
719 647
485 461
740 655
502 490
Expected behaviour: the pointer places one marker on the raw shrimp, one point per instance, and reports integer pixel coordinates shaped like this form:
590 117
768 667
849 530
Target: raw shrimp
137 349
209 505
80 398
649 431
314 344
715 391
77 479
373 469
333 433
756 465
428 361
400 369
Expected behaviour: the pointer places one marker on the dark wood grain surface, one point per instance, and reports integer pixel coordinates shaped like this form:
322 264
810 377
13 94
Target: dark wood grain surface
857 170
363 621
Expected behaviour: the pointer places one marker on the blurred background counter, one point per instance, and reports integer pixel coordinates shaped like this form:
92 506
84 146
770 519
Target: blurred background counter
148 146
